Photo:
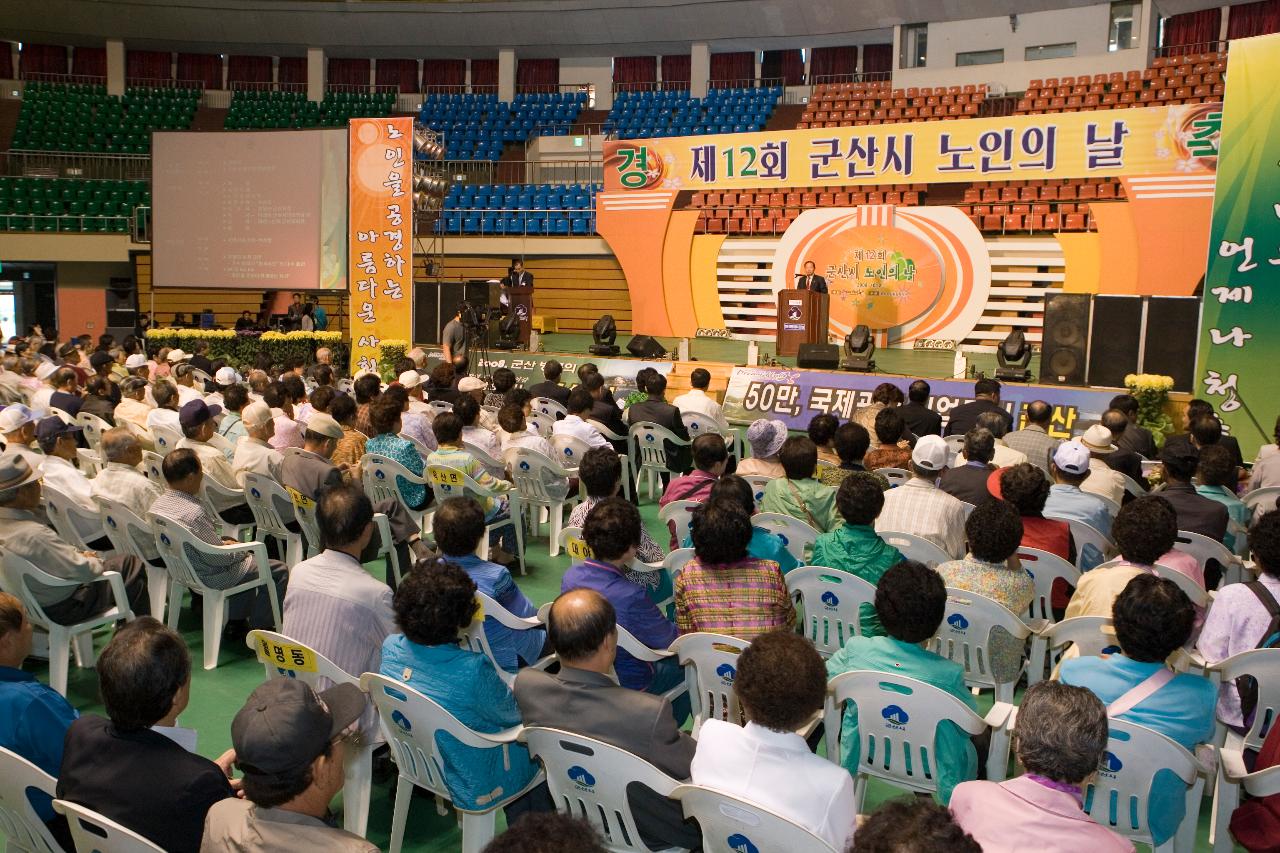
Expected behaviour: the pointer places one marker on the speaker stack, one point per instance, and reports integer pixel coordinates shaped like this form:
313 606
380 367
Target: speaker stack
644 346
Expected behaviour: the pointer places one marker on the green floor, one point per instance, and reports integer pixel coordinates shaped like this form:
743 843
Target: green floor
217 695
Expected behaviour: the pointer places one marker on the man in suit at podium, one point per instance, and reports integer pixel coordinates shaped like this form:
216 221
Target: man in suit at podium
809 281
518 277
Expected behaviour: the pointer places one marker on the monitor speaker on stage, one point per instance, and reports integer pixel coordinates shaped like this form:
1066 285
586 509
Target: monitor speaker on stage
818 356
643 346
1115 339
1172 322
1065 341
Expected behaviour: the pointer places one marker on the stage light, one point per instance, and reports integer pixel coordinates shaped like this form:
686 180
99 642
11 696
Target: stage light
603 334
427 143
429 182
508 332
859 349
1013 355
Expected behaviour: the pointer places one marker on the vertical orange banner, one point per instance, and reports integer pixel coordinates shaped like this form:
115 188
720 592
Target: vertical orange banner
380 235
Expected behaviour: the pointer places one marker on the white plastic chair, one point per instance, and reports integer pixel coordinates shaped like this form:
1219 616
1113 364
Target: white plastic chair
758 482
648 444
73 522
1264 666
167 438
730 824
93 833
898 720
1132 486
94 427
439 406
542 423
1092 636
955 444
1121 788
174 540
496 467
152 463
895 476
18 573
1113 508
679 513
589 779
412 725
798 536
1045 568
422 449
62 415
1205 549
570 450
915 547
1089 542
531 472
453 483
831 602
1233 775
964 636
698 424
710 664
474 638
213 495
268 501
130 534
1262 500
21 827
549 408
381 475
90 462
1194 591
282 657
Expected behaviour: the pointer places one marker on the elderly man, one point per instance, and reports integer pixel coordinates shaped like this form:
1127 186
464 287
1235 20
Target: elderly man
223 378
137 365
18 423
1122 459
165 414
986 394
325 356
23 534
476 388
919 507
58 441
968 482
411 381
120 480
43 393
254 452
1003 456
1033 440
1102 479
550 386
184 375
132 411
197 429
98 401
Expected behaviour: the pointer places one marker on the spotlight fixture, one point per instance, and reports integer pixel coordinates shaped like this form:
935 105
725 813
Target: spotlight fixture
1013 355
426 142
859 347
508 332
603 335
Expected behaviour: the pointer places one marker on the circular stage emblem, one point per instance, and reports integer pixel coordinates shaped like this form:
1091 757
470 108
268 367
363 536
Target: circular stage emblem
878 275
793 312
522 313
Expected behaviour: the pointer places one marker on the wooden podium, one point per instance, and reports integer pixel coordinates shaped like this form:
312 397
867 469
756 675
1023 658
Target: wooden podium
520 302
802 319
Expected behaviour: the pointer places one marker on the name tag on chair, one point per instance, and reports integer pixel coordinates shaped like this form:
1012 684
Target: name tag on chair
446 477
286 656
578 549
299 499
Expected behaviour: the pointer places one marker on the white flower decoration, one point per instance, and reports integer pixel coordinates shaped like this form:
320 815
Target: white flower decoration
672 183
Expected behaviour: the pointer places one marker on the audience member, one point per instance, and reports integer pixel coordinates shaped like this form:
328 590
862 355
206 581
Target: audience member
1266 470
851 442
123 768
1196 512
58 441
697 399
583 698
1060 737
1136 438
1218 481
604 410
475 387
575 424
351 445
722 589
504 380
441 386
197 429
601 474
450 454
656 410
822 432
1101 480
550 387
66 391
986 398
119 479
781 685
101 400
385 440
920 507
367 388
548 832
184 377
254 453
1152 619
892 450
132 410
413 425
1204 428
282 396
1067 501
1033 440
919 418
765 438
910 602
710 456
854 546
41 399
231 427
288 743
885 395
968 481
912 825
1122 459
1026 490
468 411
18 423
797 493
413 384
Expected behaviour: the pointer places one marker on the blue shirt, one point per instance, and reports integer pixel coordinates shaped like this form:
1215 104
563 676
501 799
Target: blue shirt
466 685
33 723
1181 710
319 319
507 644
1066 501
636 612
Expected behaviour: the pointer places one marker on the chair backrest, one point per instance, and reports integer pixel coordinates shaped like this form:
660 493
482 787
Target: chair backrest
758 482
22 828
699 424
94 427
73 522
1131 486
474 638
915 547
62 415
1121 789
831 601
175 543
574 545
964 636
305 512
93 833
1092 545
1113 508
269 503
898 720
482 456
1262 500
282 657
895 476
1203 549
732 825
1092 636
214 494
152 463
90 461
1264 666
422 449
589 779
167 438
537 478
710 664
955 443
128 533
569 449
796 535
449 482
648 441
548 407
380 475
681 514
542 423
439 406
1199 597
1045 568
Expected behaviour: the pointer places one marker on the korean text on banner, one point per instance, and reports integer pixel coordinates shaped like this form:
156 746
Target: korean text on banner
380 223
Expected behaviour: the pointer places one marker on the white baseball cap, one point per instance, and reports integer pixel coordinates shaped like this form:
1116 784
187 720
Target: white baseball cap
45 369
410 379
1072 457
15 417
931 453
177 355
227 376
135 361
471 383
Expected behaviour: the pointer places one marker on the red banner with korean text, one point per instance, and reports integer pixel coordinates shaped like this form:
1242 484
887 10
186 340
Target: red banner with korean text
380 235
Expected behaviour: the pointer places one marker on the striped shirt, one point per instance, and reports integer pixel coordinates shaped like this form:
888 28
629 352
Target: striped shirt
455 457
217 571
920 508
742 599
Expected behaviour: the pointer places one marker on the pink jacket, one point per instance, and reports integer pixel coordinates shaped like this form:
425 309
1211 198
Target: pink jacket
1021 814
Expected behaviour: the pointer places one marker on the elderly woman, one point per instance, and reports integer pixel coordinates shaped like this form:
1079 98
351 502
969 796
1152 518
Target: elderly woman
766 438
1060 738
723 589
890 450
885 395
384 415
433 604
351 445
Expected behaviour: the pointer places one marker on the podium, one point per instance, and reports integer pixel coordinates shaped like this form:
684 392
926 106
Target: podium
802 319
520 303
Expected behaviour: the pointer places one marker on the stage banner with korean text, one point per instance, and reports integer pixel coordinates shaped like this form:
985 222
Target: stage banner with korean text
1177 139
794 396
618 372
1239 344
380 235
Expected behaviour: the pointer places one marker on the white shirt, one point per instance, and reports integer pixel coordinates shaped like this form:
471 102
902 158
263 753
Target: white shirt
69 480
699 401
165 418
777 771
186 394
255 457
532 441
215 465
1005 456
575 426
126 485
483 439
1102 480
40 399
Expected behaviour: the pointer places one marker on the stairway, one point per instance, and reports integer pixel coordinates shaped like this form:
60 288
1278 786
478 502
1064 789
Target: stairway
785 117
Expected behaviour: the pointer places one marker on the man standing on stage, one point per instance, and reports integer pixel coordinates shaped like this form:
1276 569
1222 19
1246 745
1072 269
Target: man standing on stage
454 339
518 276
810 281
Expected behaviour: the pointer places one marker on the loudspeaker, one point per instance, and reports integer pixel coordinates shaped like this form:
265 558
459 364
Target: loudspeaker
818 356
1115 339
1065 339
643 346
1168 347
426 312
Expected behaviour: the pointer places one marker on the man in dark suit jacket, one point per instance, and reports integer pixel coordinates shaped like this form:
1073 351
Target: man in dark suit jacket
519 277
550 387
810 280
123 769
658 411
1135 438
1196 513
200 360
583 699
965 417
1125 461
917 415
968 482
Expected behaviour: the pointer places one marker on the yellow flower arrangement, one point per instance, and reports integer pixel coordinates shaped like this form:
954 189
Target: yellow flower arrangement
1151 390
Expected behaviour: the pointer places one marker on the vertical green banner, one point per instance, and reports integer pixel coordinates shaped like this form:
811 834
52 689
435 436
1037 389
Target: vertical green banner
1239 360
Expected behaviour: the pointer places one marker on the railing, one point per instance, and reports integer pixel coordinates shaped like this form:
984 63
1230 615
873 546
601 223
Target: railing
748 83
140 225
49 77
162 83
61 223
266 86
363 88
524 172
1184 49
532 88
67 164
860 77
460 89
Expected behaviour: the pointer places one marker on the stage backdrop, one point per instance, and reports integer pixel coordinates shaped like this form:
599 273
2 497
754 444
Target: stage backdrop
1238 355
380 235
914 273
